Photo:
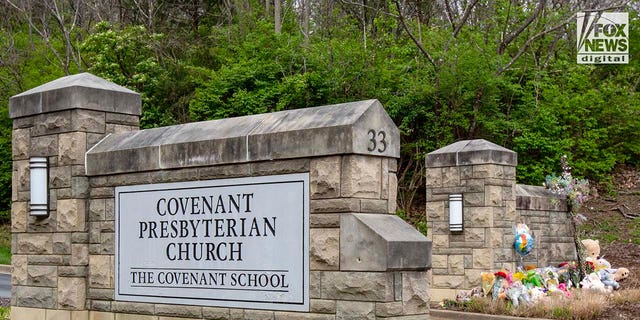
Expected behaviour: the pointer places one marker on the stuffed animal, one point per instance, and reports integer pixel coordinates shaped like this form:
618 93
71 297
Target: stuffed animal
608 279
592 282
467 295
621 274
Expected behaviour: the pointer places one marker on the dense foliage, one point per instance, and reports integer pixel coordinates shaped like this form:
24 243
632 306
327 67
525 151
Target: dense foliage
445 70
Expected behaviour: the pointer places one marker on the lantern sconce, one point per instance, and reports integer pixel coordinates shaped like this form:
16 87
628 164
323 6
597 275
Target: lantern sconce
455 212
39 181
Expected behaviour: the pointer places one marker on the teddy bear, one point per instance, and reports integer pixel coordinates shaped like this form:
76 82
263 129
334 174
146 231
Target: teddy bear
608 279
620 274
592 282
592 248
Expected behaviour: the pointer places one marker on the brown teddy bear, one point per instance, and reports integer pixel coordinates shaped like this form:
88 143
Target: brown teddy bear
620 274
593 249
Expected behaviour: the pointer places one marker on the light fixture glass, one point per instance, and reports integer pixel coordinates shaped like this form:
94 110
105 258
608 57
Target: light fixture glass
455 212
39 205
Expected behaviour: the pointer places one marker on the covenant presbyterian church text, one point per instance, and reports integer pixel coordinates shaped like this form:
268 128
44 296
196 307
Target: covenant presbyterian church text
200 218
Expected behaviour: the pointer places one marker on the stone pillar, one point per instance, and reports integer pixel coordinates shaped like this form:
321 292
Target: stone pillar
60 120
484 173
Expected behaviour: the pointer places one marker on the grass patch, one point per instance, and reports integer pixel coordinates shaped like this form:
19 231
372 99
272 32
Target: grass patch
584 305
5 244
5 313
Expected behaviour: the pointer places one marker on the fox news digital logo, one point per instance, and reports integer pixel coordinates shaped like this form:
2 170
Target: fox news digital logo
603 38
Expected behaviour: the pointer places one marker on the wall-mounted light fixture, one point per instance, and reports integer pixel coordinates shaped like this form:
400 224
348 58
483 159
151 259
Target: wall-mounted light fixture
39 205
455 212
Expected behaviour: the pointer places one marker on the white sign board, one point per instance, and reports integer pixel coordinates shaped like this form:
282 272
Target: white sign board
230 243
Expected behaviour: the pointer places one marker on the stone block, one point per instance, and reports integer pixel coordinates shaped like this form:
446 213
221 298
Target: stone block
97 209
435 210
124 316
57 314
388 309
88 121
440 240
44 260
69 271
485 171
384 188
482 259
473 199
37 244
61 243
361 176
493 238
107 245
19 213
97 315
52 123
71 293
174 310
60 177
27 313
19 274
124 119
478 217
450 177
415 293
434 177
21 174
71 148
79 187
493 195
447 281
322 306
258 315
20 143
334 205
35 297
472 277
80 315
42 276
303 316
375 242
353 310
79 254
324 177
315 285
101 271
213 313
225 171
136 308
393 193
359 286
71 215
456 264
325 220
374 206
280 167
438 261
189 174
474 234
324 249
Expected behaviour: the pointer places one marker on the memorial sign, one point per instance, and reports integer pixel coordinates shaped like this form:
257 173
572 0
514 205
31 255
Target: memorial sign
231 242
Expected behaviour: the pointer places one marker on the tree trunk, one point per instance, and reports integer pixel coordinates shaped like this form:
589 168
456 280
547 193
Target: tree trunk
579 247
277 15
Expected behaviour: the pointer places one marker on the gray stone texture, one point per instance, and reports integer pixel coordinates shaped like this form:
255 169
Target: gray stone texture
374 242
80 91
319 131
470 152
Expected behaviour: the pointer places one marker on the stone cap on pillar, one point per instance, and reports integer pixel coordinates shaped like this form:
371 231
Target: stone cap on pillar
470 152
361 127
78 91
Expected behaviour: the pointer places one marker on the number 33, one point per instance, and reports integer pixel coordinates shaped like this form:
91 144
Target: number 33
373 143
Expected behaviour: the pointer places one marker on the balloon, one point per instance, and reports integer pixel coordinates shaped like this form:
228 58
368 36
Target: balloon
524 241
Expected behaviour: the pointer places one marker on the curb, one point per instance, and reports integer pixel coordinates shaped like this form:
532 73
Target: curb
436 314
5 268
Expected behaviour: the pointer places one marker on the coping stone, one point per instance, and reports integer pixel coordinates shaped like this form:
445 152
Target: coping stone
381 242
79 91
471 152
319 131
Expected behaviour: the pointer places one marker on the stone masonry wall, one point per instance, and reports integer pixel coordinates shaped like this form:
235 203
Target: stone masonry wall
339 184
485 174
51 254
63 264
547 217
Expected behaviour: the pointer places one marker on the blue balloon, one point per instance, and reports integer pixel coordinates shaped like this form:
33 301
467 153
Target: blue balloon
523 243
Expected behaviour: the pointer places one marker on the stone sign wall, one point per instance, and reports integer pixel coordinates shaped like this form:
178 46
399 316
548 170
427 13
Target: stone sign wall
363 261
485 174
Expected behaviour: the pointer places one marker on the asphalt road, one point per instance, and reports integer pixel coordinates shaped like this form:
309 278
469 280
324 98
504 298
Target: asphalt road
5 285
